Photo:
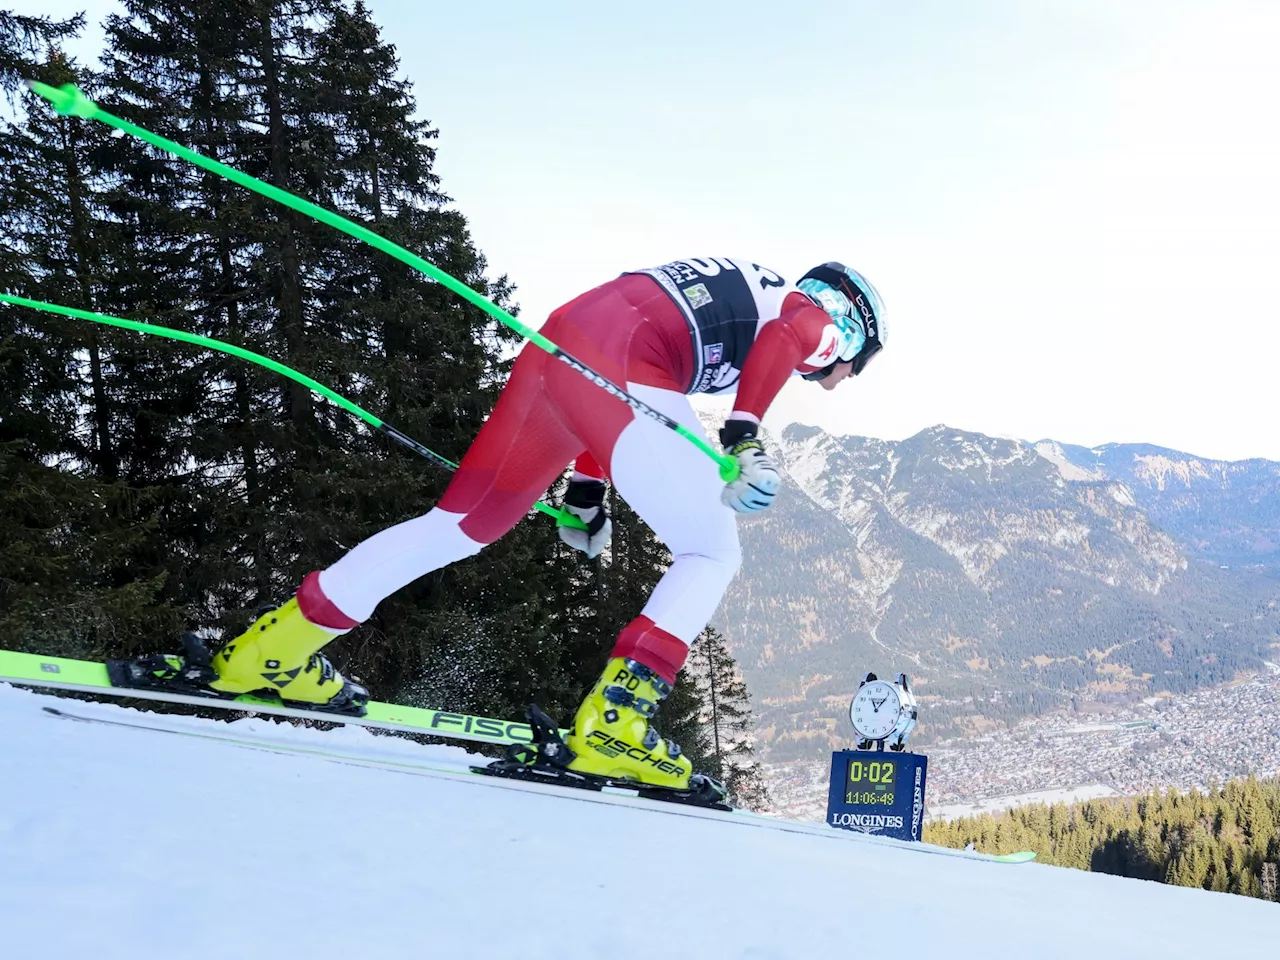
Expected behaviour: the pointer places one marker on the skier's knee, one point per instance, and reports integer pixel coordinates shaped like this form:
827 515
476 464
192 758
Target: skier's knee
721 562
731 558
725 553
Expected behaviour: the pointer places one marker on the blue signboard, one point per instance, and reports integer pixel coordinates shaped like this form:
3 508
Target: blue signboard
880 792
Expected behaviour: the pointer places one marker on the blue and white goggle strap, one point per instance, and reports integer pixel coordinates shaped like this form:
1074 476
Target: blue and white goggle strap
852 336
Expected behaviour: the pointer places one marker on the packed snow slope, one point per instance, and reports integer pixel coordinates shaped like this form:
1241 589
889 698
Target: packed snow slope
117 842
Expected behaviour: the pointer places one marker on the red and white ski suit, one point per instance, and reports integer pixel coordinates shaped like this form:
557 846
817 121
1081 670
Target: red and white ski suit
637 332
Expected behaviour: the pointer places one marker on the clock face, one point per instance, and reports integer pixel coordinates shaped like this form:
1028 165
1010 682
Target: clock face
875 709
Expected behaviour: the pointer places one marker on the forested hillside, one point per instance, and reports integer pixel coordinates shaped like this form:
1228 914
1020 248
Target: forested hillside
1227 839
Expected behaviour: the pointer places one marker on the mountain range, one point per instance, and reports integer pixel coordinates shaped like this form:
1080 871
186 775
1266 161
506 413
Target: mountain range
1006 578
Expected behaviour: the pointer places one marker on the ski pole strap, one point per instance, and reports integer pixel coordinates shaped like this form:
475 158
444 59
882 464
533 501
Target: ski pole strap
563 517
68 100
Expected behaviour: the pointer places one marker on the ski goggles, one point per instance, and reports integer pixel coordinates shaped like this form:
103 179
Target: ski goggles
860 360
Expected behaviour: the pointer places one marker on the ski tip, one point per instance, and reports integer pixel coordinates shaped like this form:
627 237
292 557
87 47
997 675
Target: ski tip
1022 856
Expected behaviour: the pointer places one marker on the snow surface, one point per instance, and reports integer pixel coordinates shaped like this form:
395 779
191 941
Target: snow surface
134 844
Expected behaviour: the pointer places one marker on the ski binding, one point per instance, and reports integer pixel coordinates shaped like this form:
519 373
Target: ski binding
547 759
191 672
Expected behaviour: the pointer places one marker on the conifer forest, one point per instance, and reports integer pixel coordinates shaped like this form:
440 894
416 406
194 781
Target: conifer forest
1225 839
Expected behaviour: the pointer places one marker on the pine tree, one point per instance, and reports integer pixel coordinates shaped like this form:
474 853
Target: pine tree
172 416
25 42
306 96
1267 880
727 719
74 577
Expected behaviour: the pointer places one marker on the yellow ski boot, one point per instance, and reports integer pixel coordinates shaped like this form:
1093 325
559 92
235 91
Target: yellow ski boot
281 653
612 736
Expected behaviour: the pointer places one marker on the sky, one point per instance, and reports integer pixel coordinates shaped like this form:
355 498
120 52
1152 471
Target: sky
1070 207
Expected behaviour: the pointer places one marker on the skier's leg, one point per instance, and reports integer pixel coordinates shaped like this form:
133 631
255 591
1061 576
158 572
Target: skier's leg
377 567
675 488
521 449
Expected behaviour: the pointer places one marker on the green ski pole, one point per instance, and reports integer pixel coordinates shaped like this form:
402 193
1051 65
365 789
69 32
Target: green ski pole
68 100
562 517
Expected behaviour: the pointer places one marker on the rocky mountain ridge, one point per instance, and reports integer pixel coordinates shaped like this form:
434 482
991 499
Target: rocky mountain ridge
1008 578
1227 511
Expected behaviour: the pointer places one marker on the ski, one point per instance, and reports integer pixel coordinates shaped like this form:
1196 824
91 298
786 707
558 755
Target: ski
547 760
463 771
93 677
700 794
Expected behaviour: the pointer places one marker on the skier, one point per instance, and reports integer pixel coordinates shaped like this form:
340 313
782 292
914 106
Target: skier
708 325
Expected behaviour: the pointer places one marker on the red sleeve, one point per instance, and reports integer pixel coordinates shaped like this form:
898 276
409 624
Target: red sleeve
803 338
587 465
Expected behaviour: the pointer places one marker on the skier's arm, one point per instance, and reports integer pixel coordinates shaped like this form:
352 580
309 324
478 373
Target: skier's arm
802 339
795 341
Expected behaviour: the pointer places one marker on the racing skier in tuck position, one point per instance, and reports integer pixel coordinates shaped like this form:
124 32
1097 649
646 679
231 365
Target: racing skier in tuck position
702 325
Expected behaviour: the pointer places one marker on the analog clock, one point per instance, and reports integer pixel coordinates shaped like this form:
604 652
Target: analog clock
883 712
875 709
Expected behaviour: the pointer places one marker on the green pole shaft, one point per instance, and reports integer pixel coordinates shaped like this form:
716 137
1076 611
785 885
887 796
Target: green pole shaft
68 100
562 517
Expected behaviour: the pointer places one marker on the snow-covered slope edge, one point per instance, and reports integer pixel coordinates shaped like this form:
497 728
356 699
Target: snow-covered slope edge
125 843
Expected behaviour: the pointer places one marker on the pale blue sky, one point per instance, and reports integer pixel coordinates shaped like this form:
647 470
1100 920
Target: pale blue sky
1071 208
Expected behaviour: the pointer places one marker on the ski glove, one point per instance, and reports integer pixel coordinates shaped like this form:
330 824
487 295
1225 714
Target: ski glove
585 500
758 480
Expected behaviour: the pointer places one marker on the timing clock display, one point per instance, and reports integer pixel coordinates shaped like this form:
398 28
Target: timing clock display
880 792
871 782
878 787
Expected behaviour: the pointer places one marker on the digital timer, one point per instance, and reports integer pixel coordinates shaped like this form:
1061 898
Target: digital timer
870 781
878 792
859 797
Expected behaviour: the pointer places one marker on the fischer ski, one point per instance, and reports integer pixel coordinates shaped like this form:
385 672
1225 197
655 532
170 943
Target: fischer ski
93 677
161 678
